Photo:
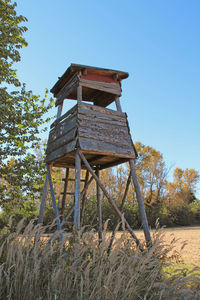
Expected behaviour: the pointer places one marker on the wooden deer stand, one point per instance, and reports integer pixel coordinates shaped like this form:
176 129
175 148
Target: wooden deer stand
91 137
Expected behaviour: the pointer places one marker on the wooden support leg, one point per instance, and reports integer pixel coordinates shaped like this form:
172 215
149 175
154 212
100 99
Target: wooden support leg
65 191
65 218
140 204
111 201
118 105
121 208
54 202
99 210
44 195
83 196
86 186
77 190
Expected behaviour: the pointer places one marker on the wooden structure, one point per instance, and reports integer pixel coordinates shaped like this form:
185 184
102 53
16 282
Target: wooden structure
90 136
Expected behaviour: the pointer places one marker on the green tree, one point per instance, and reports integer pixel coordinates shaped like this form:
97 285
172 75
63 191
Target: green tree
22 115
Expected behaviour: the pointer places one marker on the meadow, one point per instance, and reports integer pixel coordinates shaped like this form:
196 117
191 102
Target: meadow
187 242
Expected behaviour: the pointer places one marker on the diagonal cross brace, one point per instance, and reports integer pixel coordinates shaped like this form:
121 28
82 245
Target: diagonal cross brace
111 201
54 202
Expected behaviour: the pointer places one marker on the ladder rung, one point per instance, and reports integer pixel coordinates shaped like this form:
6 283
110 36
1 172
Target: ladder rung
72 179
68 193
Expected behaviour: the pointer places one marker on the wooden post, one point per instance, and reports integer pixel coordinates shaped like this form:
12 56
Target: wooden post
111 201
86 187
54 201
126 191
118 104
99 210
44 195
59 112
67 215
77 190
79 93
83 197
138 192
65 191
140 204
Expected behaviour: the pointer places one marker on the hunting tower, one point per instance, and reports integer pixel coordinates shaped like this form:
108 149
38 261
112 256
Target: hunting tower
90 136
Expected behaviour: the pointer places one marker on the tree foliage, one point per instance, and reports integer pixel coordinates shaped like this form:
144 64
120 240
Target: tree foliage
21 118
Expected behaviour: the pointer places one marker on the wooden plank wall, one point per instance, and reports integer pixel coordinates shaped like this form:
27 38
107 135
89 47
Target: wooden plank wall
63 135
104 131
98 130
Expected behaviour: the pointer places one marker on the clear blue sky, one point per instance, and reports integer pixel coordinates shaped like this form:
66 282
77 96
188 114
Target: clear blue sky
157 42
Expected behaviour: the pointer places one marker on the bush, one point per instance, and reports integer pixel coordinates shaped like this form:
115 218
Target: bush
181 215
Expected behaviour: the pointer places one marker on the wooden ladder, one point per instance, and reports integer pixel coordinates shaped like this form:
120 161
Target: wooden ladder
65 192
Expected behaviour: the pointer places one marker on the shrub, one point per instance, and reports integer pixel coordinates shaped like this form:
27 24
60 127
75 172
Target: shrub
181 215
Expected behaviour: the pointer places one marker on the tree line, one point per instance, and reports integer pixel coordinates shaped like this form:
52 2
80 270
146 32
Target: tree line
22 168
169 202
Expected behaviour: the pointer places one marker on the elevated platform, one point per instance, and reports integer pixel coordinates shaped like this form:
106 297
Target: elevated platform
101 134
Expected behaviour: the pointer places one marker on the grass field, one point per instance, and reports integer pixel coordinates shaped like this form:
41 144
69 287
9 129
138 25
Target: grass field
77 268
188 235
187 241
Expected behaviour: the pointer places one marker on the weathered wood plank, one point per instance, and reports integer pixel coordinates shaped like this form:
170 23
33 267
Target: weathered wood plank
70 81
120 141
113 133
62 129
101 86
66 93
112 142
113 163
69 112
102 119
113 84
61 151
69 136
105 148
67 89
64 165
100 114
83 119
100 109
104 129
103 89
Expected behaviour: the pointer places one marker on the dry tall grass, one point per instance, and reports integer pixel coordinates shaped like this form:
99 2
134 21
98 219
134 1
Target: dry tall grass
77 268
